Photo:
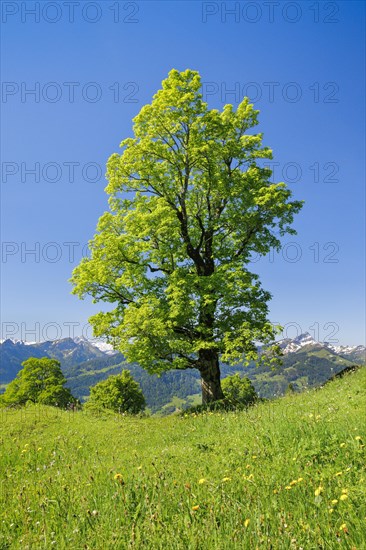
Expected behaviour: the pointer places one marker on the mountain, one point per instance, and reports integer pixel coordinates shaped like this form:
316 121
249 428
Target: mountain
67 350
306 363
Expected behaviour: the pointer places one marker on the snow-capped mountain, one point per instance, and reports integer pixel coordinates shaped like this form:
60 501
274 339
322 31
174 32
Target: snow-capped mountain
289 345
353 353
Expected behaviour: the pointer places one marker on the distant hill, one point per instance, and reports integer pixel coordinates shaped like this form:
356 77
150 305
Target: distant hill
306 364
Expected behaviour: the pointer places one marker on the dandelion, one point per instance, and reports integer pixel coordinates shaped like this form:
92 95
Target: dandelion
300 479
338 474
288 487
334 501
342 445
318 491
246 522
118 477
293 482
196 507
345 491
39 449
343 497
358 438
344 528
202 481
225 479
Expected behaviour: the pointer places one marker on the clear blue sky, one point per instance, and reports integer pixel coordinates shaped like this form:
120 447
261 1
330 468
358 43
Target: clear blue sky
92 70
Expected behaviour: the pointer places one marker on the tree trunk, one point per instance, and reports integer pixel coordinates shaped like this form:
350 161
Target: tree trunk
210 376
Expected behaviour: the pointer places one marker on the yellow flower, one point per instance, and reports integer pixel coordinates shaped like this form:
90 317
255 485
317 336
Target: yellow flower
358 438
331 510
118 476
300 479
275 491
246 522
342 445
194 508
39 449
224 479
343 497
334 501
202 480
254 456
288 487
345 491
293 482
27 444
338 474
318 491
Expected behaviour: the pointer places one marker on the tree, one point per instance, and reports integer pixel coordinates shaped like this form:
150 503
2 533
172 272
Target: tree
189 205
39 381
120 393
239 390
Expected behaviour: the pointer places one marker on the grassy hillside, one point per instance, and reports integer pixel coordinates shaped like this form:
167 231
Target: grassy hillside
286 474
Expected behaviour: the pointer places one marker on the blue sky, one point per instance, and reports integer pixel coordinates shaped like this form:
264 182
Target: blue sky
302 63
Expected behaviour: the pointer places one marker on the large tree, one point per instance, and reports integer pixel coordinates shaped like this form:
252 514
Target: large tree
189 204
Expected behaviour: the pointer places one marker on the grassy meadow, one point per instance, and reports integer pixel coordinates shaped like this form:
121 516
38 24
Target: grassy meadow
286 474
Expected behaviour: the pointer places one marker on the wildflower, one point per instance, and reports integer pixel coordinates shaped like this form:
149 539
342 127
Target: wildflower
358 438
196 507
342 445
338 474
39 449
139 467
344 527
202 481
318 491
343 497
224 479
345 491
288 487
300 479
293 482
331 510
118 477
275 491
334 501
246 522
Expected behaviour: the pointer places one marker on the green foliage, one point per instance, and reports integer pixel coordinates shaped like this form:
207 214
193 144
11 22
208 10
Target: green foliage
270 477
119 393
39 381
189 205
239 390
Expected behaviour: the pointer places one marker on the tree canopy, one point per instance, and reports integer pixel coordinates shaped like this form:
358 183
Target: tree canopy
119 393
189 204
39 381
239 391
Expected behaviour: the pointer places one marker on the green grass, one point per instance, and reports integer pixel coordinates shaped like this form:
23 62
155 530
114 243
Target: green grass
268 477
